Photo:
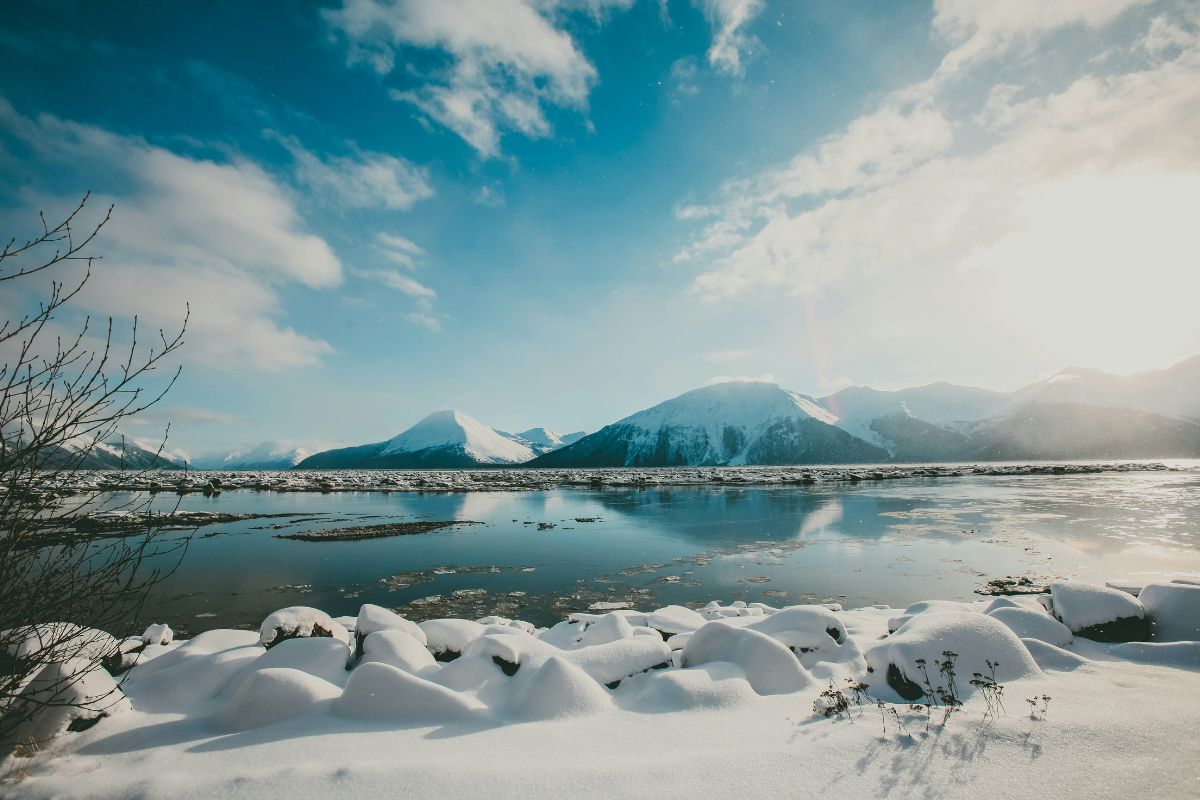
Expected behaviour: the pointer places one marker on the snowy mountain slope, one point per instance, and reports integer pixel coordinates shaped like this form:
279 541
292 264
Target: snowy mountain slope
1171 392
116 452
728 423
543 440
266 455
442 440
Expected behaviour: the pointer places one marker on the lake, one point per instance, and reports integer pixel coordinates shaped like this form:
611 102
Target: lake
892 542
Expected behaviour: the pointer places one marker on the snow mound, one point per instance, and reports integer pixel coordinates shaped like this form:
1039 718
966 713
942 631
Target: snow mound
268 696
447 638
373 618
950 606
614 661
504 622
675 619
559 689
197 671
716 685
59 695
769 666
1174 610
803 628
383 692
396 648
322 657
927 636
608 628
1030 624
51 642
297 622
1096 612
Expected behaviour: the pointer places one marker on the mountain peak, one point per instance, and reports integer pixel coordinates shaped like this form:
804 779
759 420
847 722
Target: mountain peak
452 428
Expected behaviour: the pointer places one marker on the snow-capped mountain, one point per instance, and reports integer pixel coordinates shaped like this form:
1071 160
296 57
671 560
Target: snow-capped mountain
116 452
1171 392
1076 413
543 440
728 423
266 455
442 440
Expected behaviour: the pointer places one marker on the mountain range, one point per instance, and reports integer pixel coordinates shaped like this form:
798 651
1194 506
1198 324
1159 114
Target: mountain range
1076 414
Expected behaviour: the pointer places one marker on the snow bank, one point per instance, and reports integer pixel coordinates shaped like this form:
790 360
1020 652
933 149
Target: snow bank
974 638
298 622
1096 612
269 696
769 666
1174 610
1030 624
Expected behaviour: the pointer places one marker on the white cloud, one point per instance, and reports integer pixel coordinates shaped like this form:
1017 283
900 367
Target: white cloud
361 180
1021 224
222 237
508 59
398 281
730 43
982 29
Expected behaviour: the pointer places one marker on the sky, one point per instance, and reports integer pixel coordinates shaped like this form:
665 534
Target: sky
558 212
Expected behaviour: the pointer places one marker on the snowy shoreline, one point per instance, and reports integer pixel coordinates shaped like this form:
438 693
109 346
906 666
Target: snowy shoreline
524 479
733 700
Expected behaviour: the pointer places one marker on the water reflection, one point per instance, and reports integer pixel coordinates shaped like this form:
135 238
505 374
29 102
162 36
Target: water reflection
540 554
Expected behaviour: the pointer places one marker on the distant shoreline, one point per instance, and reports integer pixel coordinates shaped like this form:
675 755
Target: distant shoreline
525 479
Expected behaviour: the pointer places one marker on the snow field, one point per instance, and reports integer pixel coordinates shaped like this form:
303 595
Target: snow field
697 698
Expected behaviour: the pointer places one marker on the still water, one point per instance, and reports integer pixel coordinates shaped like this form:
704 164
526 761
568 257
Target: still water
891 542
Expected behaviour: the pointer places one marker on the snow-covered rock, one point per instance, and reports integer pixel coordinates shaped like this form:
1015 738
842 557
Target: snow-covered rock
447 638
322 657
769 666
298 622
1174 610
803 628
51 642
1030 624
160 633
63 695
373 618
974 638
1096 612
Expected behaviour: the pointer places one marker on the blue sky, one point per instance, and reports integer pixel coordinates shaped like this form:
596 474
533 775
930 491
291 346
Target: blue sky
556 212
